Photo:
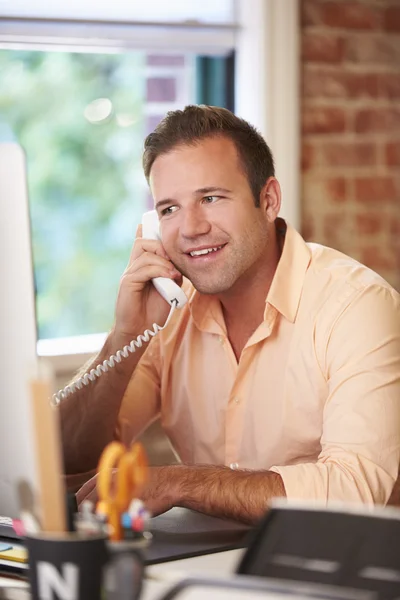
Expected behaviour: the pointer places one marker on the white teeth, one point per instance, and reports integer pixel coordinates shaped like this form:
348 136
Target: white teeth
205 251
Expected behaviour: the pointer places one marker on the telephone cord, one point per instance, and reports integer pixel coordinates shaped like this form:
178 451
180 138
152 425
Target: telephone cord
115 358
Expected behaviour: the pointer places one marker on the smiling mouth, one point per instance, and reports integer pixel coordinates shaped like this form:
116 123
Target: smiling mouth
205 251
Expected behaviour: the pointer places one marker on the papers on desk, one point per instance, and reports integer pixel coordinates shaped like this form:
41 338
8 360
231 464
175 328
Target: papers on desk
14 553
14 561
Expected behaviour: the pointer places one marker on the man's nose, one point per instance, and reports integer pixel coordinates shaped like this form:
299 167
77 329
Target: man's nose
194 223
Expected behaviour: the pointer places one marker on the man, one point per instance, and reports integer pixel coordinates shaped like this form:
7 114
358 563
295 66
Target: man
280 377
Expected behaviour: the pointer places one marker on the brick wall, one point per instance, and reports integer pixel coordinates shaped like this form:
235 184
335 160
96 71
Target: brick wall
351 129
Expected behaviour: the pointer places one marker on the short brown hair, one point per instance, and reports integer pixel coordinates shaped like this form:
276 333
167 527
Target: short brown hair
193 123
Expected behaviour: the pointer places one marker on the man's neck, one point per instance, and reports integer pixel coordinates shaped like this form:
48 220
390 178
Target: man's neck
245 302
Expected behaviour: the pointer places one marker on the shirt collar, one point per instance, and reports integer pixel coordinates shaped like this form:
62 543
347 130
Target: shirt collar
287 284
285 290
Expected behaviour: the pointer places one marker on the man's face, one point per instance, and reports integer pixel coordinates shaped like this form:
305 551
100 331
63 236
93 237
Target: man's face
210 227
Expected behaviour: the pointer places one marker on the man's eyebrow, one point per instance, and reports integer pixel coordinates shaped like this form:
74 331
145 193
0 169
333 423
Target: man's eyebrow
164 202
208 190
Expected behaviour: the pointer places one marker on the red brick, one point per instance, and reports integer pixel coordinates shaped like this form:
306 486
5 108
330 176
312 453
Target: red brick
392 152
321 119
321 191
323 84
351 15
372 50
371 83
378 258
311 13
395 229
339 84
307 156
340 154
322 48
334 230
389 84
337 189
369 224
377 120
392 18
375 189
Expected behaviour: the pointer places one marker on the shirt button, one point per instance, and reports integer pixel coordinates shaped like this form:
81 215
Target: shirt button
233 466
236 399
221 340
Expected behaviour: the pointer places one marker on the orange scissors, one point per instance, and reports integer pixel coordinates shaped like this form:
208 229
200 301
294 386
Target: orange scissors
115 494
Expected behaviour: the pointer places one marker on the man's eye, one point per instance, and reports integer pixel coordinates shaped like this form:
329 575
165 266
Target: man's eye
210 199
169 210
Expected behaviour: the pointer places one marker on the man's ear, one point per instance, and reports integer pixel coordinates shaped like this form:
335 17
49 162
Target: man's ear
270 199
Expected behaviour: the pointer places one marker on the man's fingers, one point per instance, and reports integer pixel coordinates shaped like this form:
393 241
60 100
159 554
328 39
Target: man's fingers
153 258
145 274
87 491
93 496
142 245
150 265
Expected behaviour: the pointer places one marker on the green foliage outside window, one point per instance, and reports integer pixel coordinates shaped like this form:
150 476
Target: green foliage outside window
86 186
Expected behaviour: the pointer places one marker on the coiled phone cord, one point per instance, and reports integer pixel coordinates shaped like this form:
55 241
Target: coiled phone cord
115 358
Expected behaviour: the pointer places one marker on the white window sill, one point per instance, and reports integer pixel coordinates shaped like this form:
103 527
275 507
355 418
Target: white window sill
67 355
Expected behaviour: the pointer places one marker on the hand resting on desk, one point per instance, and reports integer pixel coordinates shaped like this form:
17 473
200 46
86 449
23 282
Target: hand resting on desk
155 496
215 490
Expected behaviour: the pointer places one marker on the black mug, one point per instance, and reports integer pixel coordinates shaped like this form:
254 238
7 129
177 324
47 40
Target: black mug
77 566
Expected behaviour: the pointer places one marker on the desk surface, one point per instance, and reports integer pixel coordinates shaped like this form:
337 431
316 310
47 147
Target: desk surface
219 564
160 578
182 533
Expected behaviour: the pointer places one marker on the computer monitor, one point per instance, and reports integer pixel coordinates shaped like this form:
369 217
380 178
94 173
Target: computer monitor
18 360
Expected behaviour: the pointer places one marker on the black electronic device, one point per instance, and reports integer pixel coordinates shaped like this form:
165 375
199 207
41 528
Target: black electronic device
355 548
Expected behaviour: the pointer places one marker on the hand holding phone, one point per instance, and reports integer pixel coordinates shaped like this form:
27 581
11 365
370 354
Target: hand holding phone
138 303
169 290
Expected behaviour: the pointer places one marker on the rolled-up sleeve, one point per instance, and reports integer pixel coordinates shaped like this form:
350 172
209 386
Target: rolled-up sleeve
360 443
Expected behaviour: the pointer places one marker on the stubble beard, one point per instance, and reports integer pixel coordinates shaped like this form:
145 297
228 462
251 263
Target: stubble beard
213 280
243 255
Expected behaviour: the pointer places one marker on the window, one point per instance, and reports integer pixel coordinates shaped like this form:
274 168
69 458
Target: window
82 118
184 51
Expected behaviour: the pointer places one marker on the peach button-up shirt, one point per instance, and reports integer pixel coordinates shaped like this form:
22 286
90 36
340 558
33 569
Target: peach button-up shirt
315 395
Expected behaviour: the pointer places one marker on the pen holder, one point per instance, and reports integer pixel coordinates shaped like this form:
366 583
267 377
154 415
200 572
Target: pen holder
78 566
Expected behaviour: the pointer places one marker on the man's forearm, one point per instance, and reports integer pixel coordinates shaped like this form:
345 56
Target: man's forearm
219 491
89 415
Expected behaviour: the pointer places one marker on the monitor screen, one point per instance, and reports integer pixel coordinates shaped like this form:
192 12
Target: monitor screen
18 360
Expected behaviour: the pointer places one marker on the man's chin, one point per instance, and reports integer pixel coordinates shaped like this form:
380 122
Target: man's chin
206 283
210 288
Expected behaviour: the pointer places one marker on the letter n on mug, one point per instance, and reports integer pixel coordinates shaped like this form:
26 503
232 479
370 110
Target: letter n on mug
66 567
55 584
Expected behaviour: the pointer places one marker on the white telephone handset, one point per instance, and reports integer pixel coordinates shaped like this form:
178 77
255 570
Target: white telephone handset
168 289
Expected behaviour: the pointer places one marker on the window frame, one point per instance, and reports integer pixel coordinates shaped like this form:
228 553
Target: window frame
265 35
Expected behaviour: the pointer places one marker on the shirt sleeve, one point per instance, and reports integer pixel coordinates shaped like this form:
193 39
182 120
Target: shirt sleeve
141 402
360 443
